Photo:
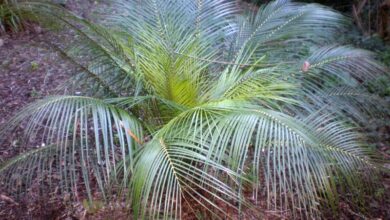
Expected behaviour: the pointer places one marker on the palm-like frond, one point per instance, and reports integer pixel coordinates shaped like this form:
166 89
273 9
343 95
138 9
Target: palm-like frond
286 152
169 174
87 133
199 100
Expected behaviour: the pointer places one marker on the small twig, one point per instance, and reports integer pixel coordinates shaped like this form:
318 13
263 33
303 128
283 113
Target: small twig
357 214
8 199
131 133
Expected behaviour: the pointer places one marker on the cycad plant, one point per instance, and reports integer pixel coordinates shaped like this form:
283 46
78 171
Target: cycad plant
199 103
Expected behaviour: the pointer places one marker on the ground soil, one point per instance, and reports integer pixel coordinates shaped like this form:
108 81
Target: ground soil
29 70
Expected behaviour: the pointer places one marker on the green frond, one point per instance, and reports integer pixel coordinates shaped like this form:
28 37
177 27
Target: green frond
18 173
84 129
358 103
282 25
287 156
168 175
348 65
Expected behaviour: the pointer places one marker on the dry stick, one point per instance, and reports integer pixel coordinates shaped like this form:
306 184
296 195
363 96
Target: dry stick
131 133
383 15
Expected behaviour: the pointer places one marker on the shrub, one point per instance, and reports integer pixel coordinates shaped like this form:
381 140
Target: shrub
193 102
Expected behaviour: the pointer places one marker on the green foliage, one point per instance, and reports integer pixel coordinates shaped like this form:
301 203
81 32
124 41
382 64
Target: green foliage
92 207
9 16
385 56
192 103
34 66
13 16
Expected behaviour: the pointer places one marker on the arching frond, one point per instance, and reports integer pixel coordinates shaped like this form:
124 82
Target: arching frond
286 156
199 102
348 66
168 175
86 132
280 27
